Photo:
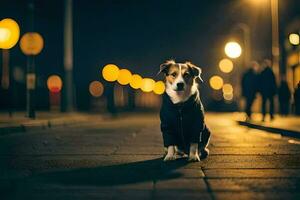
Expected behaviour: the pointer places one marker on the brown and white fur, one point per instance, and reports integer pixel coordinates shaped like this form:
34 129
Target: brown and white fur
181 80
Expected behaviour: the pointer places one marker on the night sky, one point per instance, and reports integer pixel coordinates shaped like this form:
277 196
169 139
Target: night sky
139 35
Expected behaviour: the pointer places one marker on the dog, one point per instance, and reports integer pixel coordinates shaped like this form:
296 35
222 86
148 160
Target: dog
184 131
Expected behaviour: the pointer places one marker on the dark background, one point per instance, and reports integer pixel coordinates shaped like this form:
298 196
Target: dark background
139 35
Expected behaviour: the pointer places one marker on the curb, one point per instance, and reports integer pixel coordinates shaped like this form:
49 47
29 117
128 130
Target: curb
40 125
284 132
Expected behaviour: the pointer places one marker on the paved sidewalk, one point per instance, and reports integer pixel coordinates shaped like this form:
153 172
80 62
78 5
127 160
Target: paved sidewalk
287 126
19 123
121 158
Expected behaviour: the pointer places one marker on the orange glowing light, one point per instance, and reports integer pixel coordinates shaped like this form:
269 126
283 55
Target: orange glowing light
110 72
9 33
159 88
228 96
54 83
216 82
136 81
147 85
226 65
227 88
124 77
31 43
96 88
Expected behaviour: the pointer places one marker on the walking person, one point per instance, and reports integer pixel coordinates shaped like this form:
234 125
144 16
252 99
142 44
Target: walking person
250 87
284 96
267 88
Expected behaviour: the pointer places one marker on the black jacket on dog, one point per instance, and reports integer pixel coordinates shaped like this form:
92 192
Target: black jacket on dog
183 123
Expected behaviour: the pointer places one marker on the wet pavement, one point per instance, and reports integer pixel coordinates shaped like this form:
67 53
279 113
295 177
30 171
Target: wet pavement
121 158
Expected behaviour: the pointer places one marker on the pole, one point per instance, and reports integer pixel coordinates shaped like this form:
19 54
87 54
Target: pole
5 81
68 57
30 76
247 41
275 39
30 84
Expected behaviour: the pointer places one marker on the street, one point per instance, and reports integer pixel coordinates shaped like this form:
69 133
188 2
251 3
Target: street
121 158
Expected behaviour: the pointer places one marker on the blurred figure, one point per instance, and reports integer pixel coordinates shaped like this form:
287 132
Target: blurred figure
267 88
250 86
284 96
297 99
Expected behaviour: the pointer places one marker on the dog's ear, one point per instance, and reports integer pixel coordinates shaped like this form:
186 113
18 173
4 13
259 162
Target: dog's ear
163 68
197 71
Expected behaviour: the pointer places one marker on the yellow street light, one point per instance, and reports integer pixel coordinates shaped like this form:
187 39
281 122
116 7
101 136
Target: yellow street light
216 82
124 77
294 38
9 33
54 83
96 88
159 87
136 81
147 85
227 88
228 96
110 72
233 49
31 43
226 65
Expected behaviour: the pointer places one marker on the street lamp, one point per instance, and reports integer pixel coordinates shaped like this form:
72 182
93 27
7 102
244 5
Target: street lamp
294 39
216 82
147 85
9 36
226 65
31 45
233 49
136 81
54 84
124 77
159 87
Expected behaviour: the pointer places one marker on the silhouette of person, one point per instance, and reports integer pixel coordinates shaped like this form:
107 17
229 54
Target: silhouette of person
267 88
297 99
284 96
250 86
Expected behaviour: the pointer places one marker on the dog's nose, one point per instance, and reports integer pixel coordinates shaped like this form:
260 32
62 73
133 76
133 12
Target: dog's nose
180 86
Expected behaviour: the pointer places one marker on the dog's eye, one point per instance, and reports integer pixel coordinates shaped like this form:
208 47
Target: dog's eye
174 74
186 74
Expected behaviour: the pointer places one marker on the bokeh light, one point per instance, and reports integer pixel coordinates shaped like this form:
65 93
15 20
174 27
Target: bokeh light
294 38
31 43
227 88
4 34
124 76
54 83
110 72
159 87
216 82
226 65
147 85
228 97
136 81
9 33
96 88
233 49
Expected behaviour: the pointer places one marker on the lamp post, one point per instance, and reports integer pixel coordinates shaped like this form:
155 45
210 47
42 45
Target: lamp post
247 41
68 57
9 36
275 39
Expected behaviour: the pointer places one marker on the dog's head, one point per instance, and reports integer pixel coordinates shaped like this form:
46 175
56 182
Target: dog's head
180 76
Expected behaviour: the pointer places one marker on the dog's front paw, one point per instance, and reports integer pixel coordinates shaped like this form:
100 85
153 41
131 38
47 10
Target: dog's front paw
170 157
194 157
